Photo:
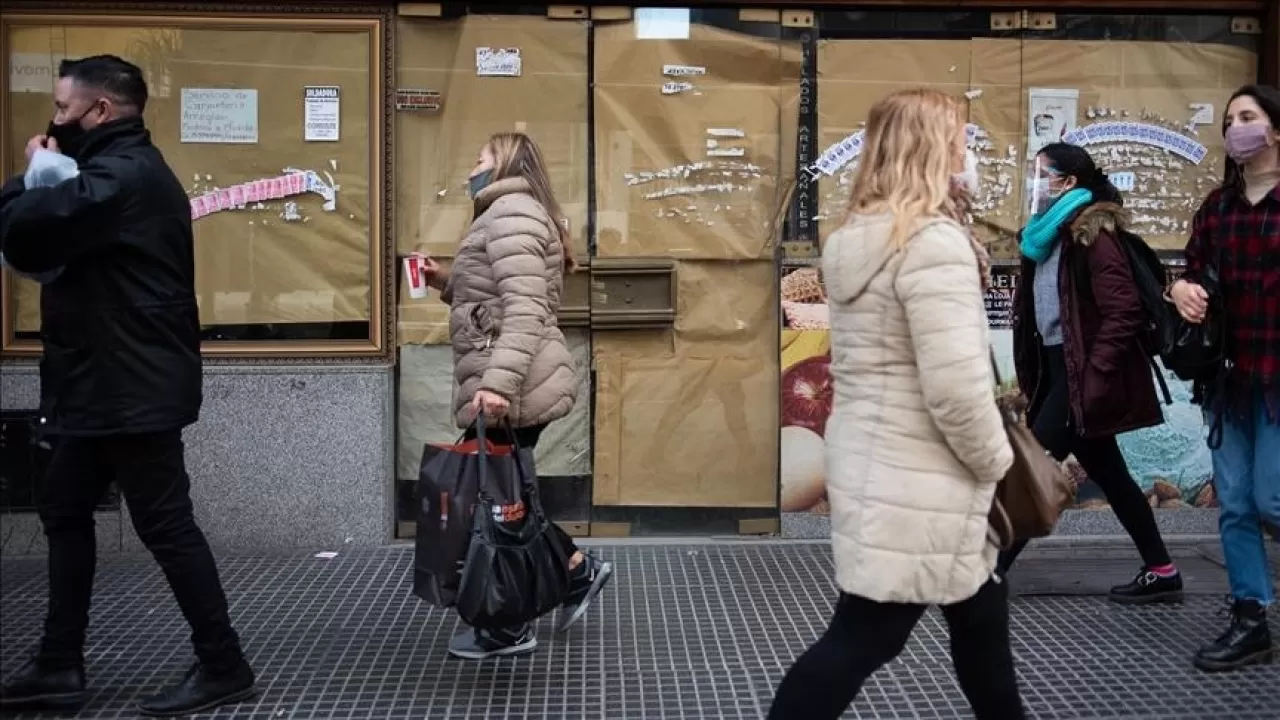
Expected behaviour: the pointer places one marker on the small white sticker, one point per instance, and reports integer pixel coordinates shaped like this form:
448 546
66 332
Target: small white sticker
726 152
498 62
675 88
322 116
1202 114
726 133
1124 181
683 70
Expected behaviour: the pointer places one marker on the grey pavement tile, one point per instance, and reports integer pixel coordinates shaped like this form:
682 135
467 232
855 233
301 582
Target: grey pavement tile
685 631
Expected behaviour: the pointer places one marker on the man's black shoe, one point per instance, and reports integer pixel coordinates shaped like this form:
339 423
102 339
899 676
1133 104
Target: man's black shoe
35 687
201 690
1246 642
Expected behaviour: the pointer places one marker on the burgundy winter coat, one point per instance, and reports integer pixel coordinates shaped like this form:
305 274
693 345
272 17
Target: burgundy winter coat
1109 376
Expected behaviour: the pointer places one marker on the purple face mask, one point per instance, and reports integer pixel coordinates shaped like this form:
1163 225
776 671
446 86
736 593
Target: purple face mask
1244 142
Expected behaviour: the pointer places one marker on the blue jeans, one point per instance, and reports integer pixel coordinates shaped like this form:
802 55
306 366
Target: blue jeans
1246 478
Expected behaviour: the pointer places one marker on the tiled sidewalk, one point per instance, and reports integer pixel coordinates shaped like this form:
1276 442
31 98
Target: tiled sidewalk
700 632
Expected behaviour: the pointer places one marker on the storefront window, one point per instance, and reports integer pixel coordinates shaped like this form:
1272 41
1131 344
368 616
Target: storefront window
275 127
1144 94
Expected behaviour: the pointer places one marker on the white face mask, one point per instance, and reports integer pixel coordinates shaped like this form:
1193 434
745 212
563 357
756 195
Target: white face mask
968 178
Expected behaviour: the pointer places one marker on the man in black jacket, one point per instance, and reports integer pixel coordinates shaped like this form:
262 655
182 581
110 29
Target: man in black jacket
120 379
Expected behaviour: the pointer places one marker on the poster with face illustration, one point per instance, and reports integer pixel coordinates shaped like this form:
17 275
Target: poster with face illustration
1052 114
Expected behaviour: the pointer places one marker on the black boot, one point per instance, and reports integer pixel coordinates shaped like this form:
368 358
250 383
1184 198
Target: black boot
1246 642
38 687
201 690
1148 587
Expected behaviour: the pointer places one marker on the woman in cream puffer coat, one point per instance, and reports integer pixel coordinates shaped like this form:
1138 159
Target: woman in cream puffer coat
510 359
915 441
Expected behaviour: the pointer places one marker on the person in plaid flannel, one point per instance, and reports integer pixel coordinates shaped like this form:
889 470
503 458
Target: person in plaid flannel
1240 224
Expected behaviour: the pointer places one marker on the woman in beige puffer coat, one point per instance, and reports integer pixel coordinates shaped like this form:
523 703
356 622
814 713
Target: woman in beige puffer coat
915 442
510 359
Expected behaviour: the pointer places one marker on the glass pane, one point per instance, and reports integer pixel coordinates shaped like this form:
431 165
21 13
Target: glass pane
282 225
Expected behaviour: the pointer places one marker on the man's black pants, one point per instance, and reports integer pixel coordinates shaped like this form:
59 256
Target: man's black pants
150 472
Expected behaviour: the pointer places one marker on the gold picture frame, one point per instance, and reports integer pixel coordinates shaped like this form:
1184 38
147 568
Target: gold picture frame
379 22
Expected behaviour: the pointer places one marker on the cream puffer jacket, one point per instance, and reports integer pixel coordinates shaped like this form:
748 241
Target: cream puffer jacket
915 443
503 294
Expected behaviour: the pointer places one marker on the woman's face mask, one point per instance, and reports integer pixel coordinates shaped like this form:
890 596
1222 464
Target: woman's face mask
479 182
1248 141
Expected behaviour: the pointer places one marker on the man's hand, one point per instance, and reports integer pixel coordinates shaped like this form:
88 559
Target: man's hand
491 404
430 270
40 142
1191 300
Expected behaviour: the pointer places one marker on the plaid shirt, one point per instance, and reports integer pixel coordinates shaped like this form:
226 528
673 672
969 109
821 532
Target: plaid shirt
1249 239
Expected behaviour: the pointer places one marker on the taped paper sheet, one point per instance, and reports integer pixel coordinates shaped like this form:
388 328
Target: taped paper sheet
498 62
322 114
219 116
1051 116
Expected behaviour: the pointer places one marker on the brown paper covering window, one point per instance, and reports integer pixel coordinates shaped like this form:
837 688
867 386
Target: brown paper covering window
649 143
435 150
251 265
1162 79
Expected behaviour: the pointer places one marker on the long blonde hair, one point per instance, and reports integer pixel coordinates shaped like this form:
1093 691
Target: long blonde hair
517 155
909 156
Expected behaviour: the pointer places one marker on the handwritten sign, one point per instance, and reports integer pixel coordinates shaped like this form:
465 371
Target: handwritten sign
219 116
498 62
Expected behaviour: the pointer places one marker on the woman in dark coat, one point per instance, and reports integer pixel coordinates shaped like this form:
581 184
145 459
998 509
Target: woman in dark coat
1081 365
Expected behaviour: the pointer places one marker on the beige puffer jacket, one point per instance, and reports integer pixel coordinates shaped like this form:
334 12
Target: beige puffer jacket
915 443
503 294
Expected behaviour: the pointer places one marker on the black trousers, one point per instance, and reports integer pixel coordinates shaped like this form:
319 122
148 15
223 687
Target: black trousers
525 437
150 472
865 635
1102 461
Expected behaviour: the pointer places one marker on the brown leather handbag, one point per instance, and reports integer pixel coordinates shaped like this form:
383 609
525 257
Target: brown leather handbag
1035 491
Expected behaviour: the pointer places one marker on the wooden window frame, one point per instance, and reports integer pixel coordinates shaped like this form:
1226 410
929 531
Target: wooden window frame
379 21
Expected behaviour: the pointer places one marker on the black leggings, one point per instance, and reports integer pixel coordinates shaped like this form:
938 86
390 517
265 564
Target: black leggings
1102 462
525 437
864 635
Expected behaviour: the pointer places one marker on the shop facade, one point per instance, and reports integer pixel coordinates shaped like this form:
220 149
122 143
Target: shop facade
700 155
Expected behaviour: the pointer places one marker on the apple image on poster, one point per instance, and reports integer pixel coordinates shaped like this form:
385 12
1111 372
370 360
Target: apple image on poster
806 401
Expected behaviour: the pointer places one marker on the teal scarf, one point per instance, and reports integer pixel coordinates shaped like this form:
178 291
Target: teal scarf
1042 230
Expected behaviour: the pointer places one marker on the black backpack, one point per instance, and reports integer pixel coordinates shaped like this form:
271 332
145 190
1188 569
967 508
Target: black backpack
1159 336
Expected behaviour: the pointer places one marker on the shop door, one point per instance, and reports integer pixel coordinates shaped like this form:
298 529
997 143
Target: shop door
694 131
1145 95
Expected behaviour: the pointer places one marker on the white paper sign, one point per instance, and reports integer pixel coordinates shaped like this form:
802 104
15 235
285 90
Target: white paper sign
322 114
1124 181
219 116
33 72
675 88
498 62
683 70
1052 114
1202 113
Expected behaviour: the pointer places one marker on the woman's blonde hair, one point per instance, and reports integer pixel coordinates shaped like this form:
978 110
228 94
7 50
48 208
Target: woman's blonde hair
517 155
908 159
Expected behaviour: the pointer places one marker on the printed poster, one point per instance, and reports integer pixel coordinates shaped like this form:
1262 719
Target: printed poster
1051 115
322 113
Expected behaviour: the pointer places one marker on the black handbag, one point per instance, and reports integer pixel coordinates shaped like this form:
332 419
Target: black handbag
1198 350
516 569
